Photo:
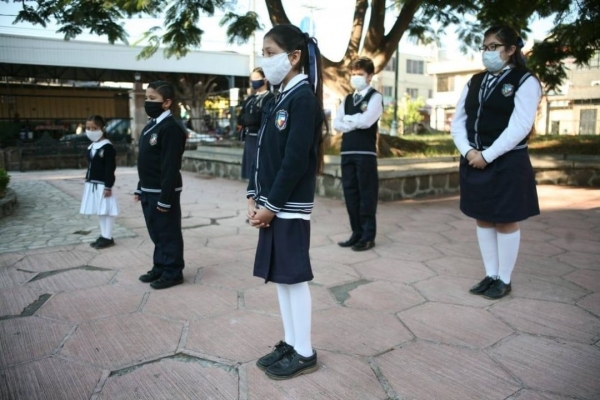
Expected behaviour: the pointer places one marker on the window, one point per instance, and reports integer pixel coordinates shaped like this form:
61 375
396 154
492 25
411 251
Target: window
415 67
430 94
391 65
555 127
587 122
413 93
388 91
445 83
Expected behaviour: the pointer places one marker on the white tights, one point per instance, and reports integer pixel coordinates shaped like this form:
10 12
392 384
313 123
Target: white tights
107 223
295 307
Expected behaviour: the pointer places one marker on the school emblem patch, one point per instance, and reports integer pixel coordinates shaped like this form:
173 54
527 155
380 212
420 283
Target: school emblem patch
153 139
363 106
281 118
508 89
101 153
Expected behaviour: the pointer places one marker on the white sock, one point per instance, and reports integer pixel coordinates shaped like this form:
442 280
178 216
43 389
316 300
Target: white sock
285 308
508 249
488 245
301 313
107 223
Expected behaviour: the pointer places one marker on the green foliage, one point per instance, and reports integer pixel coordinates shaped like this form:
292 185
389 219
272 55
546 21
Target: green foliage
408 112
4 180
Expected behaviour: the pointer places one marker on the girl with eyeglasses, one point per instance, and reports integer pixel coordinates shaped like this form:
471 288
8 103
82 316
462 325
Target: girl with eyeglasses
494 119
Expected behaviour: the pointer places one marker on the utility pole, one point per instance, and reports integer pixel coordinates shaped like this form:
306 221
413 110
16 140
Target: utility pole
253 41
312 8
394 127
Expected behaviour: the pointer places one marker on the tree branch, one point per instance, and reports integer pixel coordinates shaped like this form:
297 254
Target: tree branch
358 25
277 13
407 13
376 26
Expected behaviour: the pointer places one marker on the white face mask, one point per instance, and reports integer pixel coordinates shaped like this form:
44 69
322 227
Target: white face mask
276 68
492 61
94 136
358 82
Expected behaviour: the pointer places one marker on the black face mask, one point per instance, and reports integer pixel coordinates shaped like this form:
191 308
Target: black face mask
153 108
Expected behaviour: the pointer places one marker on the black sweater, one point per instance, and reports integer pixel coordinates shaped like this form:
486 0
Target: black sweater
161 149
101 167
284 171
250 118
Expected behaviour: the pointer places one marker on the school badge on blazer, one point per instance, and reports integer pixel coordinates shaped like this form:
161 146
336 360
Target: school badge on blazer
101 153
153 139
363 106
508 89
281 118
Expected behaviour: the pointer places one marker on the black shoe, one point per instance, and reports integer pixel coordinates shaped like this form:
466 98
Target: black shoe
103 243
95 242
350 242
363 245
277 354
292 365
498 290
482 286
150 276
165 283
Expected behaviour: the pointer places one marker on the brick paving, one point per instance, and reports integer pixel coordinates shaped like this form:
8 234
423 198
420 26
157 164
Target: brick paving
396 322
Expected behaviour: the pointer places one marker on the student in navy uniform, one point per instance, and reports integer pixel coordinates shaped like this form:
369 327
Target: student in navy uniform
98 198
494 117
251 117
161 147
357 119
282 190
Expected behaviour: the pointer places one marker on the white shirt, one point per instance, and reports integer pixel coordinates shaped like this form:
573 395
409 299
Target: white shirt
527 98
96 145
362 120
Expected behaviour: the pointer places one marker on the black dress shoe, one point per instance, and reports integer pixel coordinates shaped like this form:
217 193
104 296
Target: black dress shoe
277 354
363 245
349 243
498 290
150 276
482 286
93 244
292 365
165 283
103 243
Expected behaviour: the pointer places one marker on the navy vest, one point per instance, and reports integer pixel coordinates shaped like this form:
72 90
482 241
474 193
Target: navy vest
489 111
359 141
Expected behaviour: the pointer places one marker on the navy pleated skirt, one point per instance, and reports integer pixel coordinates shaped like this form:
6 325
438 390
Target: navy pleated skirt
503 192
250 145
282 252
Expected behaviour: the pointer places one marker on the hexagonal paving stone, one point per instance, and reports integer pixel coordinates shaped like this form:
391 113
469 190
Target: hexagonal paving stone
417 225
535 235
457 266
534 395
173 379
544 364
467 234
591 303
120 258
542 266
264 299
55 260
14 300
49 378
581 260
194 222
451 289
232 276
206 256
548 288
129 279
550 319
588 279
537 248
337 254
388 269
356 331
122 341
23 339
212 231
329 274
424 371
569 234
11 277
459 249
72 280
240 242
409 252
383 296
579 245
93 303
456 325
240 336
416 237
8 259
191 302
339 377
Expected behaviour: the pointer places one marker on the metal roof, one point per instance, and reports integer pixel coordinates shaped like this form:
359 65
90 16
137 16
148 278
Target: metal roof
22 55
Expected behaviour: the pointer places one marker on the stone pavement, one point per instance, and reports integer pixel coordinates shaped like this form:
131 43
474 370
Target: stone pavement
393 323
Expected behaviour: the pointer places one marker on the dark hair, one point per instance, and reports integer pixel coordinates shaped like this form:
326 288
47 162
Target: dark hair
260 71
165 89
364 63
509 37
98 121
291 38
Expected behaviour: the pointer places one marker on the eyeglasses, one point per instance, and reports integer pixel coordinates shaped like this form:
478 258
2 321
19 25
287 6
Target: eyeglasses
491 47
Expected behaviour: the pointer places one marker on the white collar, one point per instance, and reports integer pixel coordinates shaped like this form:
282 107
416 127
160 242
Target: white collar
293 82
162 116
363 92
98 144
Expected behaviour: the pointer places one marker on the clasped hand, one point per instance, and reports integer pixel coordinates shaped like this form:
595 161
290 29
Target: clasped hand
259 218
475 159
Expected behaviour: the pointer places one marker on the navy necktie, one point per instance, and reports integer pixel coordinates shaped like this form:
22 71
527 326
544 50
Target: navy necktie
149 125
357 98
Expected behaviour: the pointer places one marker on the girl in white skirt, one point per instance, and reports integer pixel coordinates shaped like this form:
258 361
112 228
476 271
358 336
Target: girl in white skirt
98 198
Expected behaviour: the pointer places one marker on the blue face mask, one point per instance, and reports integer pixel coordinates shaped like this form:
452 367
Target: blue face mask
257 84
